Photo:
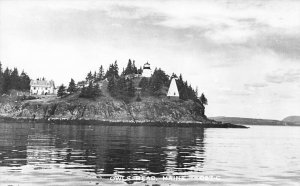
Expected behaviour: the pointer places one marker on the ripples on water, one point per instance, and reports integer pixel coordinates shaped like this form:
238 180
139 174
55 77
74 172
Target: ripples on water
46 154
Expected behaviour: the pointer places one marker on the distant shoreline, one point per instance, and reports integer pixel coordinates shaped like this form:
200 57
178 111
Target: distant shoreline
189 124
253 121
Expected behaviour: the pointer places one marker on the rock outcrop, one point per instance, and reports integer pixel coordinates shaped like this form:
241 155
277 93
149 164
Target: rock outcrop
107 109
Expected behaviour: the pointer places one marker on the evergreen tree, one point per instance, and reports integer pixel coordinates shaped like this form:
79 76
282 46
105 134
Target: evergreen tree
89 77
61 91
1 79
203 99
110 72
130 89
12 80
140 70
185 91
173 76
72 87
196 92
144 83
15 80
134 69
121 89
96 91
158 80
123 72
6 80
129 68
24 82
100 73
95 76
111 86
116 69
113 71
91 91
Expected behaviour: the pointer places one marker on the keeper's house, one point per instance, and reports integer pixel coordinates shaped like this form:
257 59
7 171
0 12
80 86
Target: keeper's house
42 87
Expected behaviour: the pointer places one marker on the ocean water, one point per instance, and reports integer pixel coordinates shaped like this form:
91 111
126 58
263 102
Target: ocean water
47 154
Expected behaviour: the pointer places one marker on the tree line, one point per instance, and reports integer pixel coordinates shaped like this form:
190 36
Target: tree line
123 88
11 79
118 86
156 83
160 81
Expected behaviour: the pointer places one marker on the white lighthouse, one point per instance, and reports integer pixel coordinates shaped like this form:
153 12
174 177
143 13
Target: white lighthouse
147 72
173 90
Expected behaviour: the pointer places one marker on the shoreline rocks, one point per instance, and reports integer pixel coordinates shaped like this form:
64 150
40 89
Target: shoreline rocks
212 124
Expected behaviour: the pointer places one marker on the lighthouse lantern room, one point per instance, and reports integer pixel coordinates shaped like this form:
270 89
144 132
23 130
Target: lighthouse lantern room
147 72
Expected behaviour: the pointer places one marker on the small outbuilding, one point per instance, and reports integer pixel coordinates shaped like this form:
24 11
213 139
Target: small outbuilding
173 90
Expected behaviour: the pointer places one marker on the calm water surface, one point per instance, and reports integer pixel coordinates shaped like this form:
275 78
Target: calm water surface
47 154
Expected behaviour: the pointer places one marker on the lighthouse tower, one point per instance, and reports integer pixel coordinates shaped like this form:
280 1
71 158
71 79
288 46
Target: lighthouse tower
173 90
147 72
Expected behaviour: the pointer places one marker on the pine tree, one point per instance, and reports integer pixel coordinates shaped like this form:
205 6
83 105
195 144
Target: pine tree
121 87
86 92
95 76
89 77
6 80
111 87
144 83
140 70
72 87
134 69
110 72
15 80
116 69
96 91
1 79
203 99
158 80
24 81
130 89
61 91
173 76
100 73
128 69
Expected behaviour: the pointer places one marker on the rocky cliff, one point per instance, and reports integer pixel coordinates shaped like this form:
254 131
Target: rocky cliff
105 108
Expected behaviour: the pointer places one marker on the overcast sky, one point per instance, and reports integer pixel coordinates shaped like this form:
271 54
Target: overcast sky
244 55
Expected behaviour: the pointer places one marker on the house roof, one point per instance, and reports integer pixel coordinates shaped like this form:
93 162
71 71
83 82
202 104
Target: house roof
42 83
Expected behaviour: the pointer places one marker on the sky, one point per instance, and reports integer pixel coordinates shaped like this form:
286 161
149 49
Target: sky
243 55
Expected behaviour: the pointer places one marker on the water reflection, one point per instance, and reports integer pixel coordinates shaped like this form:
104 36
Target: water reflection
103 150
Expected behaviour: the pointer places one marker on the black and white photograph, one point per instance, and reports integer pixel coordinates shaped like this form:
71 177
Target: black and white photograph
149 92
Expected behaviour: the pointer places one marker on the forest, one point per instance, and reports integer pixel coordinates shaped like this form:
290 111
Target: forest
11 79
123 85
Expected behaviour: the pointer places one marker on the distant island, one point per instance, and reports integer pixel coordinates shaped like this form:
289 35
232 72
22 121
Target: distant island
288 121
136 95
292 119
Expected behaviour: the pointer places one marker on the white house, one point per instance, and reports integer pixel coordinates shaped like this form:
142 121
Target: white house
173 90
147 72
42 87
